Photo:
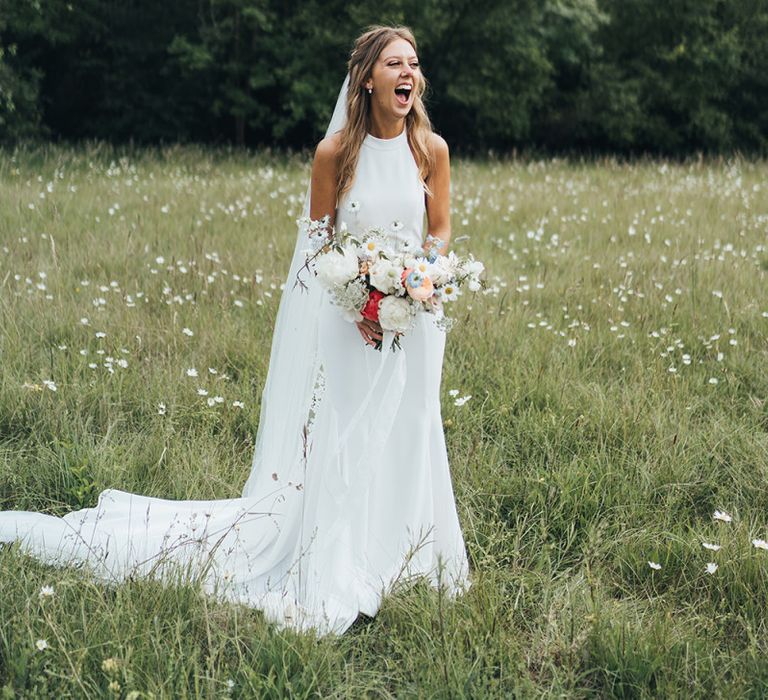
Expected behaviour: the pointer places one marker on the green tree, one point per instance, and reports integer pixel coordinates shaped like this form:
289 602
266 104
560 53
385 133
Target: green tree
681 60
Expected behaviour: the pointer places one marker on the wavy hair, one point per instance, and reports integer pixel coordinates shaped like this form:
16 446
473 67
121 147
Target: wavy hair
366 51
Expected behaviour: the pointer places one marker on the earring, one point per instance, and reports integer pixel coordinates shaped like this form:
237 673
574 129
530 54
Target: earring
370 90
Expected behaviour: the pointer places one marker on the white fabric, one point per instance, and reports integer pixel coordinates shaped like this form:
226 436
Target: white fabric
288 392
331 520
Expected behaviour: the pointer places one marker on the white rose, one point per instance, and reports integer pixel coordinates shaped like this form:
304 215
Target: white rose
395 314
336 268
385 276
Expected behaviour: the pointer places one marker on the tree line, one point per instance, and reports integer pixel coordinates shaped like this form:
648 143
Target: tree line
622 76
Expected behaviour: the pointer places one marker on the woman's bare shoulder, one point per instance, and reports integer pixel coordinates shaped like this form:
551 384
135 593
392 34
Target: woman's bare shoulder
328 149
438 145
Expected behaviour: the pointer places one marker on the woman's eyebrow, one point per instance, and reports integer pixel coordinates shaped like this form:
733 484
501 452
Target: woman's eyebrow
412 57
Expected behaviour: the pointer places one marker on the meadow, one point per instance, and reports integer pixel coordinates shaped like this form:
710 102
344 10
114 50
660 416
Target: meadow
610 464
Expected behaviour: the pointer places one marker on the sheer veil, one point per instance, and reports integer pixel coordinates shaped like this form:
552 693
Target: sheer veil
291 385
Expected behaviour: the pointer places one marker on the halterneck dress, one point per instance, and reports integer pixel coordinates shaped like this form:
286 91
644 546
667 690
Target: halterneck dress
374 506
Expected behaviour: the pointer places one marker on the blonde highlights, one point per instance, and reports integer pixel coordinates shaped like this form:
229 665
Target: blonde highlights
366 51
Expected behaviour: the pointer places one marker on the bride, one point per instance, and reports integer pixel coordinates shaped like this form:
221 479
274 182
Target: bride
350 491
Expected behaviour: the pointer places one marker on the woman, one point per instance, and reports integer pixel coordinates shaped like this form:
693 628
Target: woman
350 490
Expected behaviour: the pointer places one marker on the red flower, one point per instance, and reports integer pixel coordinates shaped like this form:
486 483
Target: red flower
371 308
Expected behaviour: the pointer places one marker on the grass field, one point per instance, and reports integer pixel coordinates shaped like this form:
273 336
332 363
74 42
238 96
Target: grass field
617 364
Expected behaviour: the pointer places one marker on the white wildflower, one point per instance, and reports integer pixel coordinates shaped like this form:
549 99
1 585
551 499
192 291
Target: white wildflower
450 292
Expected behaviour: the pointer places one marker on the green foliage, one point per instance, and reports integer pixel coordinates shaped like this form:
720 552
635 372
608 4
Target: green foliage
605 75
691 69
19 93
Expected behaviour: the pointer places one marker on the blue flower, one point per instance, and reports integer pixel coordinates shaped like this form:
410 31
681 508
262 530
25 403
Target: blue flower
415 279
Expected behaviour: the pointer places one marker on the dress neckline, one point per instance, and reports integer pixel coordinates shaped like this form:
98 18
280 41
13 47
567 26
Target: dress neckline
385 144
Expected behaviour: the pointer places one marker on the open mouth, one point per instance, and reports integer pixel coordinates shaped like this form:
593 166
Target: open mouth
403 93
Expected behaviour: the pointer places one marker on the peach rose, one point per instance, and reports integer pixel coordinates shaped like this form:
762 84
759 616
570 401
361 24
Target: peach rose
423 291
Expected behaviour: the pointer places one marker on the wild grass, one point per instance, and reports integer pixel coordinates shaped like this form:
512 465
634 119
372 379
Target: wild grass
616 364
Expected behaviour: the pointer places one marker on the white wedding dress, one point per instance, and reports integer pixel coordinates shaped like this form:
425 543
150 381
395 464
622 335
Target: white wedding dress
364 503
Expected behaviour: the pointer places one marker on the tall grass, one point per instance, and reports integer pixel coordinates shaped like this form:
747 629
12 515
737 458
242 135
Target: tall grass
616 364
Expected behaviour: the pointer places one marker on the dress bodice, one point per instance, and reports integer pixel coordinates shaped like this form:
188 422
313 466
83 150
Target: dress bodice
386 193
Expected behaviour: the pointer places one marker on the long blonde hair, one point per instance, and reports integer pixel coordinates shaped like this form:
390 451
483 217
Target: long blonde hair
366 51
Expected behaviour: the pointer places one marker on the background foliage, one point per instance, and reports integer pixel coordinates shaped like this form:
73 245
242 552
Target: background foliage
607 75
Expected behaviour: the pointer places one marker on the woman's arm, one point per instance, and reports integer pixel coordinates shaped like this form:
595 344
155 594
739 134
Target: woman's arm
322 198
322 202
439 202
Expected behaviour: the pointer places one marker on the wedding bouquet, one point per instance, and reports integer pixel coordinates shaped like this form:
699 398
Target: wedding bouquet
366 278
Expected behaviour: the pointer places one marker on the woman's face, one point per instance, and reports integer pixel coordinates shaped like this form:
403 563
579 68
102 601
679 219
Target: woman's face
394 78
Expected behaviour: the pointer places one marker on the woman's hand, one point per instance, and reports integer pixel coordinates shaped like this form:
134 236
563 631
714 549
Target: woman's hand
370 331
